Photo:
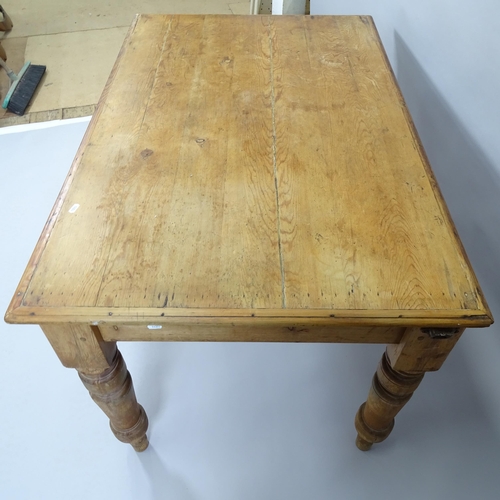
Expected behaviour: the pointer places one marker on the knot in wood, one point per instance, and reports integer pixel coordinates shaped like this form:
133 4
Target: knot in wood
146 153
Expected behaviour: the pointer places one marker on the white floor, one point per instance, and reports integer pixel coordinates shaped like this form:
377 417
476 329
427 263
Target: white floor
228 421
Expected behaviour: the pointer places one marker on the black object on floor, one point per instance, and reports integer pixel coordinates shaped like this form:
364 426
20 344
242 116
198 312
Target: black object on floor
23 89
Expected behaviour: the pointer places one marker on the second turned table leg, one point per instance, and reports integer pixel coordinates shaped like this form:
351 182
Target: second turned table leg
399 373
103 372
389 392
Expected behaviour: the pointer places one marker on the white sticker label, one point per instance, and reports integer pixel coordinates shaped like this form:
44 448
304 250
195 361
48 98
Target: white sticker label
155 327
74 208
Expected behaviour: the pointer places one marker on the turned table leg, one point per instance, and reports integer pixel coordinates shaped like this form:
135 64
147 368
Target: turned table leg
389 392
398 374
114 392
102 370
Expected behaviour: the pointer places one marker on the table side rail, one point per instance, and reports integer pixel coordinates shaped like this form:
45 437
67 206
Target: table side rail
234 332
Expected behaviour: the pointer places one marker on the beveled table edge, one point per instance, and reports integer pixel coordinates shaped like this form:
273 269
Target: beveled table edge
340 317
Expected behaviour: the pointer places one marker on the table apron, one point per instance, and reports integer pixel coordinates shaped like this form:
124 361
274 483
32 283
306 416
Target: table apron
294 332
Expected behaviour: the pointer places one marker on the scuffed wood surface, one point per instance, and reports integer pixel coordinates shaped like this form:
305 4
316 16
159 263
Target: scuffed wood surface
251 163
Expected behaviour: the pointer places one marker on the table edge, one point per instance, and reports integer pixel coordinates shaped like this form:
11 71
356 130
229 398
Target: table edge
344 317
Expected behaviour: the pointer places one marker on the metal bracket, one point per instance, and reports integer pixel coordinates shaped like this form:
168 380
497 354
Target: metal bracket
440 333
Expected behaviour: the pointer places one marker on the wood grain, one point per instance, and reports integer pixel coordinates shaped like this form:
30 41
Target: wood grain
251 166
99 315
399 373
417 352
390 391
251 331
81 347
113 391
359 216
104 373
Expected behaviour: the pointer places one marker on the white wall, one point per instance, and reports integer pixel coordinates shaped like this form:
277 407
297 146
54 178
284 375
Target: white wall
289 6
446 56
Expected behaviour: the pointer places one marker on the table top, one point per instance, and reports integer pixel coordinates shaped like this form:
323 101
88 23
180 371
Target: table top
248 167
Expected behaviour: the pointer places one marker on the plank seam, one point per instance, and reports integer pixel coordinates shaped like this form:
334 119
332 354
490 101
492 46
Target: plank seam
273 101
154 79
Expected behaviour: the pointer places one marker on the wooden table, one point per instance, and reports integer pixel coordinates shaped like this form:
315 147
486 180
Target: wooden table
250 178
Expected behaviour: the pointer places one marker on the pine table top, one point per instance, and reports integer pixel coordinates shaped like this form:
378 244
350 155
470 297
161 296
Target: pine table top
251 167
